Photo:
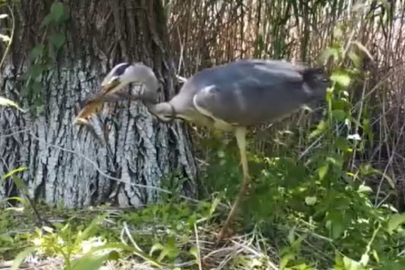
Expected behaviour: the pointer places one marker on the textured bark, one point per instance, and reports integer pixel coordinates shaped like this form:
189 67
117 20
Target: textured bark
70 167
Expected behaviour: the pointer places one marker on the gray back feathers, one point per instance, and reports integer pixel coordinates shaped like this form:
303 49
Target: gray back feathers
249 92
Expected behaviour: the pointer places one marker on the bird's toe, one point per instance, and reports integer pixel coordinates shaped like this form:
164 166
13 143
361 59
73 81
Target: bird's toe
224 234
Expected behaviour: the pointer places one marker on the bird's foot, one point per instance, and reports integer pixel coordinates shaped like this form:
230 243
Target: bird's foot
225 233
248 182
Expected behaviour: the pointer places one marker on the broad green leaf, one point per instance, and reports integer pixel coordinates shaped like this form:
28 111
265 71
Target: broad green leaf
194 251
47 229
58 40
6 238
376 257
24 202
341 78
285 260
57 10
136 252
342 143
36 52
337 229
20 183
351 264
322 126
355 59
336 160
365 258
322 171
89 231
364 189
339 115
8 103
156 247
20 257
92 262
329 52
46 20
310 200
214 205
395 221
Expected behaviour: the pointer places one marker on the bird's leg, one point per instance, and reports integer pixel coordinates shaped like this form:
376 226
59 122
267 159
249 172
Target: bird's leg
240 135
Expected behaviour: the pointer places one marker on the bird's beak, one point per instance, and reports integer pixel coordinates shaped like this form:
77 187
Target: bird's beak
93 103
109 87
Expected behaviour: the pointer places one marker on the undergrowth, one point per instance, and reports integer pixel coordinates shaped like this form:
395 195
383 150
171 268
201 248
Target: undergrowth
308 209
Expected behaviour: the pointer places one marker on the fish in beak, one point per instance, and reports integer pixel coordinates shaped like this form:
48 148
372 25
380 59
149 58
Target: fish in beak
93 103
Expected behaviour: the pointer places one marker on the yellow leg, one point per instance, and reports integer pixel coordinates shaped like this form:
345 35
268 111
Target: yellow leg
240 135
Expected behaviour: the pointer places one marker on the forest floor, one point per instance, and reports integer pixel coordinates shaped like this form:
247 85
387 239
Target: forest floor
162 236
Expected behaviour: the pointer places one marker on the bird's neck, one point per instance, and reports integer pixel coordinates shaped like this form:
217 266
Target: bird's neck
163 110
145 75
151 89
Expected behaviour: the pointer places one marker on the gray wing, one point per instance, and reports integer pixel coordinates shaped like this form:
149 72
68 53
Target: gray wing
249 92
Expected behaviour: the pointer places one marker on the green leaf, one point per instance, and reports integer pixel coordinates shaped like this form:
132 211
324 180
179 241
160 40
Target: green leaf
47 229
322 171
214 205
92 262
57 11
339 115
285 260
194 251
329 52
395 221
58 40
337 229
14 172
90 230
365 258
355 59
124 247
321 127
375 255
20 257
156 247
364 189
8 103
341 78
342 143
46 20
36 52
351 264
20 183
310 200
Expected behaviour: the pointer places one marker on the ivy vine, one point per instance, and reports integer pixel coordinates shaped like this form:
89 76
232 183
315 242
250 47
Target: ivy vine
43 56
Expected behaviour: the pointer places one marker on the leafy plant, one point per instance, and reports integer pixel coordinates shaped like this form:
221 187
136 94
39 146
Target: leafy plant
43 56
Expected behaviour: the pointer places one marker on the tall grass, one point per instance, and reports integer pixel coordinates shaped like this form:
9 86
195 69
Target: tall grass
206 33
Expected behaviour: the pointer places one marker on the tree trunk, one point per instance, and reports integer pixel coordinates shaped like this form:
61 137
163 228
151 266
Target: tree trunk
70 167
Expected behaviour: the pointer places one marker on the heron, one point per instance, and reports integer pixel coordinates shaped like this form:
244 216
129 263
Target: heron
231 97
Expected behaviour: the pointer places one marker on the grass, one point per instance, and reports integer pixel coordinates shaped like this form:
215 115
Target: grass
173 235
322 200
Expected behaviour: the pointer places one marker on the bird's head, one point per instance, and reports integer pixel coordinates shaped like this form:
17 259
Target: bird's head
120 76
124 73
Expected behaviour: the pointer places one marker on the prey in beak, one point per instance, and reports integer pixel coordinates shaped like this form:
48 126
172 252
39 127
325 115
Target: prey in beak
93 103
116 79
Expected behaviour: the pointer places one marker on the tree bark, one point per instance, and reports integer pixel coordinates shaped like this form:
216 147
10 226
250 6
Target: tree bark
69 167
